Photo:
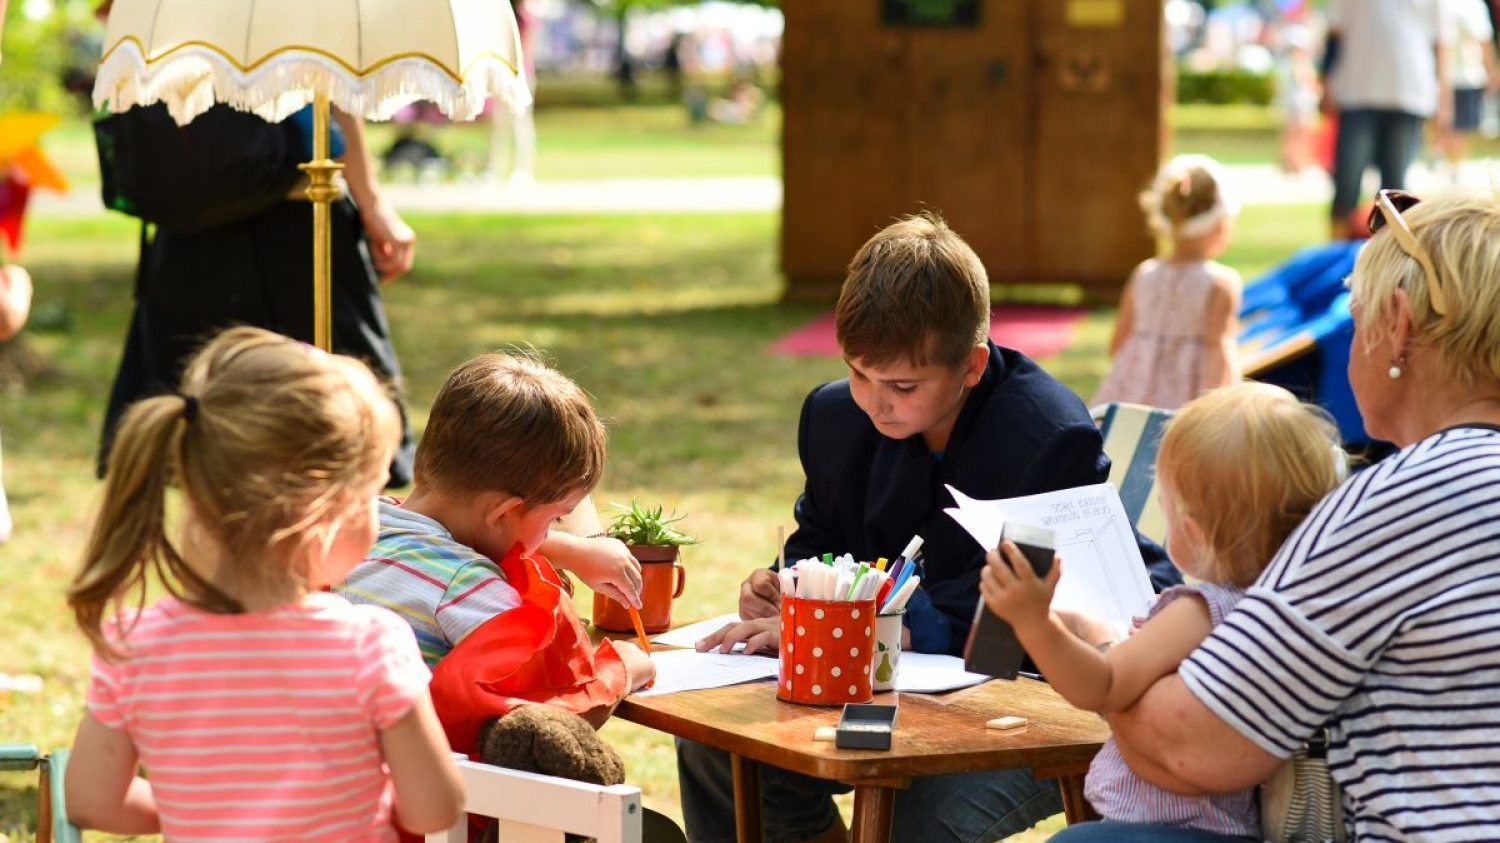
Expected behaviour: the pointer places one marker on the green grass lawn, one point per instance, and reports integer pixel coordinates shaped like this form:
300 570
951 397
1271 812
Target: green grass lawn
665 320
584 131
590 136
591 141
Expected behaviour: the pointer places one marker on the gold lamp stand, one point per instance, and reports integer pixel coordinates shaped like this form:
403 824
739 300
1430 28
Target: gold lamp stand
323 191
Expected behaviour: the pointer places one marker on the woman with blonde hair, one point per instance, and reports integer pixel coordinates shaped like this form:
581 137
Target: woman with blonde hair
1380 617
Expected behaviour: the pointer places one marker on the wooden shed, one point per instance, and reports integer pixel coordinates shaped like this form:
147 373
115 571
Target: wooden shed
1030 125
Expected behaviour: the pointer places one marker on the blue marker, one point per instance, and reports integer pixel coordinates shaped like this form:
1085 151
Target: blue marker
900 581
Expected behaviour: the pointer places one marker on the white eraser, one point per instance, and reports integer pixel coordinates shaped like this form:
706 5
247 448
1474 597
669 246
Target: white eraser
826 733
1009 721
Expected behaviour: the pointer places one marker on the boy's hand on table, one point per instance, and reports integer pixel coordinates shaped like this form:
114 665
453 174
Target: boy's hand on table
757 634
638 664
760 595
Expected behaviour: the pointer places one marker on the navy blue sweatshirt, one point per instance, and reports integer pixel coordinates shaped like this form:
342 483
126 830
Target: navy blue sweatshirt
1020 432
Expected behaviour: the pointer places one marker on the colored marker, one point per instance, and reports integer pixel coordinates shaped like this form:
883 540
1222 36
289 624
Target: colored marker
640 637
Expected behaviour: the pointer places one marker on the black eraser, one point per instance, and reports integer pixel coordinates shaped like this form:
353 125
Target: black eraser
865 726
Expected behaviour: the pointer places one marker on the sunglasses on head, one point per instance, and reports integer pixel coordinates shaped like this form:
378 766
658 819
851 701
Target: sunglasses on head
1388 207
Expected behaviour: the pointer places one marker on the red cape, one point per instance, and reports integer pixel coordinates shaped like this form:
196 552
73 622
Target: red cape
537 652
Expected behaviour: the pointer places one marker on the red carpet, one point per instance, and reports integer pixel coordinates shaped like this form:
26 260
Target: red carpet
1033 331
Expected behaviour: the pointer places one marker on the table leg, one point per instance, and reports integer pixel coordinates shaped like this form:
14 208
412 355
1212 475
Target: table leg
746 798
1076 807
872 814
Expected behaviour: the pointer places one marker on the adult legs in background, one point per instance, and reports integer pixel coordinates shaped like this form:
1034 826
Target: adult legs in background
1397 139
1353 153
1112 832
795 807
973 807
955 808
1382 138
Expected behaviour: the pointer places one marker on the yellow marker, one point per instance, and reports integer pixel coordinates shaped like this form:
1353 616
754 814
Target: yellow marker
881 563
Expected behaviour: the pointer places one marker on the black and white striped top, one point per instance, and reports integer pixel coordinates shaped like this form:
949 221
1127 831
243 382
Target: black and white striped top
1381 614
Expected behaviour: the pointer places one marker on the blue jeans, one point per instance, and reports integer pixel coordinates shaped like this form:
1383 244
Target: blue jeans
954 808
1370 136
1113 832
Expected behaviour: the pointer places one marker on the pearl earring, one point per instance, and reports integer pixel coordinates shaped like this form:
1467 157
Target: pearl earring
1394 372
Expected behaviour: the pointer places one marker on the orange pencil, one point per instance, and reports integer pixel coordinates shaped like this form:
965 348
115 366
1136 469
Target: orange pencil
640 638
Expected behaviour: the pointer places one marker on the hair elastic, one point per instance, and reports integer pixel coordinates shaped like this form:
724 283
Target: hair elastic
189 408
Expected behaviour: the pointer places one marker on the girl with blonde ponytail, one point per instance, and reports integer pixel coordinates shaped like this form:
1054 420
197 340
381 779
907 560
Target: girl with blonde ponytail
261 706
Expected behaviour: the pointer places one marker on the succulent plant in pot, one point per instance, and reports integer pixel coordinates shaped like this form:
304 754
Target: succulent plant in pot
654 540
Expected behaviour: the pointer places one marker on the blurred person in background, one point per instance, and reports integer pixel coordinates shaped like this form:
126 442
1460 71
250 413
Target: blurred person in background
1386 74
513 131
1471 67
1297 96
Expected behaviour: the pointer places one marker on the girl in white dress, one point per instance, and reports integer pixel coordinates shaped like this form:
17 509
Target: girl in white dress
1176 333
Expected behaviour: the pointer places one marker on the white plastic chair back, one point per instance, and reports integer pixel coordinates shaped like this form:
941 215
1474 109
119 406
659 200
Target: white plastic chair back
543 809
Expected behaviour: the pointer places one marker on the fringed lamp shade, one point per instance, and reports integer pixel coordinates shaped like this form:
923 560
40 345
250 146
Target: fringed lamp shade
272 57
368 58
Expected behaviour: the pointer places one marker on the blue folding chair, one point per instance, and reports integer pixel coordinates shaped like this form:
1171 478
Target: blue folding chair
52 824
1296 328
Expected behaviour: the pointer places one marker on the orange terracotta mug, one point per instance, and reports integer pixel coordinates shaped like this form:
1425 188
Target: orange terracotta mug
663 581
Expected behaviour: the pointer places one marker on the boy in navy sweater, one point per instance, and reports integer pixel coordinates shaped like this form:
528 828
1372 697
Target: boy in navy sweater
929 401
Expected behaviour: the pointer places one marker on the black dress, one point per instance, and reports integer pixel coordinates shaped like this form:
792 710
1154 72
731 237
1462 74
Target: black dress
257 271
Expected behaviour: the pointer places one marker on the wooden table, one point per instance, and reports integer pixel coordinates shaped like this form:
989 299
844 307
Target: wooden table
934 734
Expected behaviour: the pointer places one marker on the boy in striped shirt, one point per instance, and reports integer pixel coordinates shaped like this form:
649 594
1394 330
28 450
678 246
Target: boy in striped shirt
511 447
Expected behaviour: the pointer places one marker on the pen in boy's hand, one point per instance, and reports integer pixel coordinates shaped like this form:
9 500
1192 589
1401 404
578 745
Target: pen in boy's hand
640 637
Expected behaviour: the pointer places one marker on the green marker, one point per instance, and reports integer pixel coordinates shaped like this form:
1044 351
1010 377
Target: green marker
859 572
828 559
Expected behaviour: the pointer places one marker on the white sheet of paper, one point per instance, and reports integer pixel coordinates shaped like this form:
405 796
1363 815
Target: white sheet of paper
688 636
690 670
928 673
1103 574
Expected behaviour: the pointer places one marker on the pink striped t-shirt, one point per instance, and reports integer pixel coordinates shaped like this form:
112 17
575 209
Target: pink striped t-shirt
263 726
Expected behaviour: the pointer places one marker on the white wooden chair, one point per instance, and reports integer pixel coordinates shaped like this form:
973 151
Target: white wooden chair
542 809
